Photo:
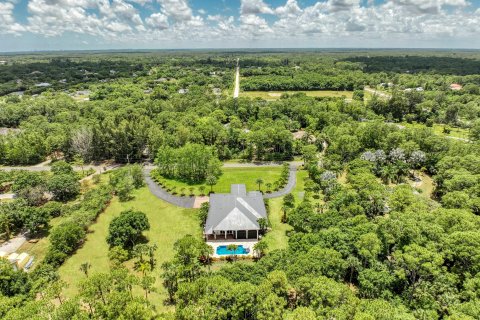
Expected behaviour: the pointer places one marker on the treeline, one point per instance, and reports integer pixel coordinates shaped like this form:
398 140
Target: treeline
192 162
459 109
303 81
418 64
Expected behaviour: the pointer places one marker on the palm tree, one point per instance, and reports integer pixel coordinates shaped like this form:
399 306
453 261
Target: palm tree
269 187
211 181
259 181
260 247
207 251
233 247
263 224
284 215
202 190
84 267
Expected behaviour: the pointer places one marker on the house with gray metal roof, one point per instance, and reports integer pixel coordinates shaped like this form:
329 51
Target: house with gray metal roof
235 215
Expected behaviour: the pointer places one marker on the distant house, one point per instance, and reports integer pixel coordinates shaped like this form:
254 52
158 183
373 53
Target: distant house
235 215
43 84
2 62
456 86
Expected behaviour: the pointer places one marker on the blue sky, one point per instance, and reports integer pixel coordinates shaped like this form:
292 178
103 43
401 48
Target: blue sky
165 24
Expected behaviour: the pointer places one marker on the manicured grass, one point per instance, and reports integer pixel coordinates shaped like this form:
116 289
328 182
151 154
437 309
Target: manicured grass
167 224
438 129
230 176
275 95
277 238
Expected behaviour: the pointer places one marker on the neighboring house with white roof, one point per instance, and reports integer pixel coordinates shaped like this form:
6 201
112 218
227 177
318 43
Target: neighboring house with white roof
43 84
235 215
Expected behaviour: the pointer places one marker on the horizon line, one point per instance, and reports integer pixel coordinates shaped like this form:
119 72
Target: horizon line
133 50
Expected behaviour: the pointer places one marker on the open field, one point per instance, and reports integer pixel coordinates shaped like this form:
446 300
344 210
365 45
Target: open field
275 95
167 224
246 176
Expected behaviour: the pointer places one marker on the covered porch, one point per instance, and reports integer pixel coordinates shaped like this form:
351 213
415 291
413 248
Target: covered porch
232 235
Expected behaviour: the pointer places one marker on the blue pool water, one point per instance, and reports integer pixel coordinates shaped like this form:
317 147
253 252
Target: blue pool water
222 250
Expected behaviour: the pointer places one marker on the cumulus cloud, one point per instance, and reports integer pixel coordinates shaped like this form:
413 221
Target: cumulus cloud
249 7
427 6
179 10
157 21
290 9
171 20
7 21
342 5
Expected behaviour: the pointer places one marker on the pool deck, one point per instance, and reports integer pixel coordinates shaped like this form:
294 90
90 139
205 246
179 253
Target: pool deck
247 244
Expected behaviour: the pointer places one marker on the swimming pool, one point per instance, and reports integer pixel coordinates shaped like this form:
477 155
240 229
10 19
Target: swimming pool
222 250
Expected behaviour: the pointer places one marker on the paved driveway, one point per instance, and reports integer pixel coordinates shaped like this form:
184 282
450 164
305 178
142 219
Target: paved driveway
13 244
189 202
156 190
292 180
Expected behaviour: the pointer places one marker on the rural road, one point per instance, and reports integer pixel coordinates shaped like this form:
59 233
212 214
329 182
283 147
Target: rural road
46 167
236 92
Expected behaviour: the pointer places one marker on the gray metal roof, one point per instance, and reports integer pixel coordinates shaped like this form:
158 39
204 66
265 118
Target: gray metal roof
238 210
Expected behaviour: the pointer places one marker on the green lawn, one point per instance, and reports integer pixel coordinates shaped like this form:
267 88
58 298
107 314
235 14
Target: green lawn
167 224
246 176
438 129
277 238
275 95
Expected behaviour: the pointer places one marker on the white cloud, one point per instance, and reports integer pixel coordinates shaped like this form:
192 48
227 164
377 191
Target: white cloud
342 5
157 21
325 21
179 10
7 21
290 9
249 7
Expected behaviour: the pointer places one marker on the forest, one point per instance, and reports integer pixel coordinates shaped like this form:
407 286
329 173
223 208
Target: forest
382 224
